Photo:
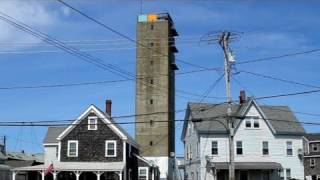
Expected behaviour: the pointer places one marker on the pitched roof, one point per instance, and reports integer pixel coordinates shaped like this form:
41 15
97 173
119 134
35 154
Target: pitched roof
20 163
211 111
25 156
281 118
54 132
313 136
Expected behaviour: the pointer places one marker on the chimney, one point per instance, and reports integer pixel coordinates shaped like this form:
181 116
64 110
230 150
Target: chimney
242 97
108 107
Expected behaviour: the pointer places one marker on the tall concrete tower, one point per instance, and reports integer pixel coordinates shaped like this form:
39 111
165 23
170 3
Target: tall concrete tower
155 90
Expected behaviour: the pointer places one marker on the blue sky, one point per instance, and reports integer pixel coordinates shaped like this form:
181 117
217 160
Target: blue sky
267 29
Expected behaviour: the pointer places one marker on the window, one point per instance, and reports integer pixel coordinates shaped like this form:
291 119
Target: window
256 123
151 101
143 173
214 148
312 162
253 122
151 143
265 148
111 148
151 26
151 81
92 123
151 63
248 124
72 148
151 44
151 122
239 148
314 147
289 148
288 172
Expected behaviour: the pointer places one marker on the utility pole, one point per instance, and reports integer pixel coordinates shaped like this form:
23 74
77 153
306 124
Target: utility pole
228 61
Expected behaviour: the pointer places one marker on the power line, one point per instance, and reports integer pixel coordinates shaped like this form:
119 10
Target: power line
121 34
278 57
212 118
279 79
277 109
71 50
63 85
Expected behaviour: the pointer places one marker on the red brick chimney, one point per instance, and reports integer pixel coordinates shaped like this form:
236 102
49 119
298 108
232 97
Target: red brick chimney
108 107
242 97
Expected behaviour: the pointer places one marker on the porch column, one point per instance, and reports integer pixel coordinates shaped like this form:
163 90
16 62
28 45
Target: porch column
77 175
54 174
120 175
42 175
14 175
98 175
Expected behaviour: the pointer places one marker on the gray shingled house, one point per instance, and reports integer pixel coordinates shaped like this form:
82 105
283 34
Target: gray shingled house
268 141
92 147
312 156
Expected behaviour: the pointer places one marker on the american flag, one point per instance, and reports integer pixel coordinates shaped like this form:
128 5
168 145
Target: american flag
49 169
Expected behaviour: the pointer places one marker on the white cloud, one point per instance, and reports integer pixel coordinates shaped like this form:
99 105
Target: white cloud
33 13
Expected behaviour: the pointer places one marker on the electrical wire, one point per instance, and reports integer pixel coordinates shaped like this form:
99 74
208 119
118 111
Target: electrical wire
123 35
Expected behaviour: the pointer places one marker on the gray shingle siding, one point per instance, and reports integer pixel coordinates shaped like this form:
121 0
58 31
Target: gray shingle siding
91 143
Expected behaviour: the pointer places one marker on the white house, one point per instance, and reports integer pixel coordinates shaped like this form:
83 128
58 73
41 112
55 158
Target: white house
268 142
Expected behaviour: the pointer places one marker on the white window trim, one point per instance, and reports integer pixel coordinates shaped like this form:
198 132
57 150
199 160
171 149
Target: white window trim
236 147
96 123
115 148
252 119
217 148
287 148
256 120
73 141
268 148
147 172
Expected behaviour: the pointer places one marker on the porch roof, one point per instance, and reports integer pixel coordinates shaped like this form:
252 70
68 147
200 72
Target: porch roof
77 166
248 165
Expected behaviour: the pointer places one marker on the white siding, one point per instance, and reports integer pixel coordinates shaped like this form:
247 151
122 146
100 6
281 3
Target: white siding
50 154
191 147
252 147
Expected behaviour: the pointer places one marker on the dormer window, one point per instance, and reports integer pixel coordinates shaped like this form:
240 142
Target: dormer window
92 123
111 148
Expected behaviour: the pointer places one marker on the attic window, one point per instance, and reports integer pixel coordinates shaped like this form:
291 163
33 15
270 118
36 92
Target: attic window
92 123
248 124
256 123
